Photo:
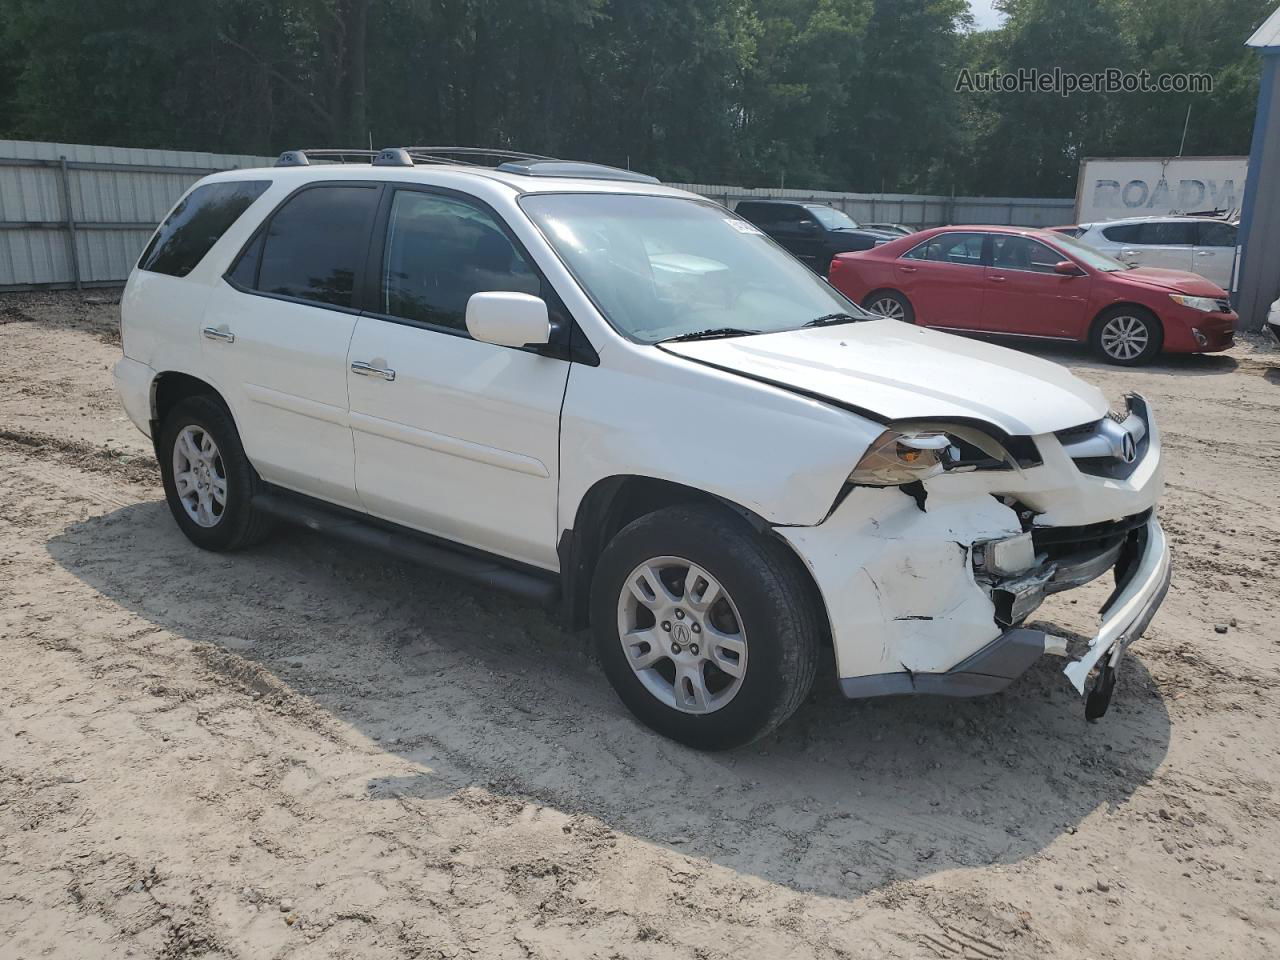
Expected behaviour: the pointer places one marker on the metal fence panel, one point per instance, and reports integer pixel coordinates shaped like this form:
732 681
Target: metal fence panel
116 197
911 209
118 194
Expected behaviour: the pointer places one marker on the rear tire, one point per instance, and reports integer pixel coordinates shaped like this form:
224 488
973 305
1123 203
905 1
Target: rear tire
724 648
1128 336
208 481
891 304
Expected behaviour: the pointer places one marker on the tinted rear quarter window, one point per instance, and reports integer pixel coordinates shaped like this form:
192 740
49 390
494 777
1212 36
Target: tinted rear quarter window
314 246
1125 233
197 223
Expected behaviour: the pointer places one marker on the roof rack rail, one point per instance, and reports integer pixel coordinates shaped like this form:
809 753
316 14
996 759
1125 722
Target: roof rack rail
508 161
406 156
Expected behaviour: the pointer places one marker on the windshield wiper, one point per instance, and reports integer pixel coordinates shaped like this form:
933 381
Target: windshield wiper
828 319
713 334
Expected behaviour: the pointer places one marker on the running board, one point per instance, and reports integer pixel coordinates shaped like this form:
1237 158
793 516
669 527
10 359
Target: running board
542 589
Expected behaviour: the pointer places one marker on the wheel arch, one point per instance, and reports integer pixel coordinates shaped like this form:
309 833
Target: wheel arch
171 387
1126 305
881 291
612 503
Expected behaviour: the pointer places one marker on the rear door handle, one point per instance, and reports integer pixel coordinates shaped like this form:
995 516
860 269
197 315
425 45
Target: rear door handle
997 279
369 370
218 333
1206 253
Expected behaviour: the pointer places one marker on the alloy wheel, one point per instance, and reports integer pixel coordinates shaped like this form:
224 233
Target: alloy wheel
199 476
888 307
682 635
1125 337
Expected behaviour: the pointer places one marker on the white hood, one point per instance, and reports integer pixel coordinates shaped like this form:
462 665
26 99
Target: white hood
901 372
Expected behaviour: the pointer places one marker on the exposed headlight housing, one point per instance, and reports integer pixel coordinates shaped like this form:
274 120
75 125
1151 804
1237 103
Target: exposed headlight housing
1203 304
895 458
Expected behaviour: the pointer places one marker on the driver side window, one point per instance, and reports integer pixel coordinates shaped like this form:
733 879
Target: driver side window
440 250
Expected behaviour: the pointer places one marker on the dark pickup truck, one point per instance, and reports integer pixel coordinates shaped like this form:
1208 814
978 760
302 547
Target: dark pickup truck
812 231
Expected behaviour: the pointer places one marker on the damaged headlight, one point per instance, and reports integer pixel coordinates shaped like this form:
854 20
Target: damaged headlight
918 450
895 458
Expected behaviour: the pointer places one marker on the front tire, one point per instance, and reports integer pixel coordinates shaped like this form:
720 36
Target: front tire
1128 336
891 304
708 632
208 481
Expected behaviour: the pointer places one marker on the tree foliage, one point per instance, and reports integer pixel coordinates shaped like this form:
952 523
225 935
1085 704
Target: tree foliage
838 94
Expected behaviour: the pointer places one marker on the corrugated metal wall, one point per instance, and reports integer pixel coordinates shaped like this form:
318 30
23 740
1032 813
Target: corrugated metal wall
117 196
914 210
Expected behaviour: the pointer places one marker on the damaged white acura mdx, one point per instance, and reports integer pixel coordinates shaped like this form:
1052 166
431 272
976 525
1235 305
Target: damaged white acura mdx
620 399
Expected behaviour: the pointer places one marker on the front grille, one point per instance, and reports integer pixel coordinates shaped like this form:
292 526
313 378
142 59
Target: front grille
1077 433
1095 448
1062 543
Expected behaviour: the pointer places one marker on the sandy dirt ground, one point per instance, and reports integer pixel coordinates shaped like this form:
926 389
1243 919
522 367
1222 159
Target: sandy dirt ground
312 751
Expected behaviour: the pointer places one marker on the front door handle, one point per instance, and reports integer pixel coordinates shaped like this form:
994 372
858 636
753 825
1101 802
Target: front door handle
219 333
1205 253
910 269
997 279
369 370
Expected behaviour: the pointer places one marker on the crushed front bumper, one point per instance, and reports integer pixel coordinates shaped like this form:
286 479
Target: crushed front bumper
924 595
1140 589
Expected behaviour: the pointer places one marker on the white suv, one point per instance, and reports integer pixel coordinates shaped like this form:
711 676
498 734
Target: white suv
1201 245
623 401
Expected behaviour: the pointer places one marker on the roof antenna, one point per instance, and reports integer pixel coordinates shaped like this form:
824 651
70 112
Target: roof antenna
370 139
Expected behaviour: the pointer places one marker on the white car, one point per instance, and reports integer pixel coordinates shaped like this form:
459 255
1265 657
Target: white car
1273 321
620 399
1200 245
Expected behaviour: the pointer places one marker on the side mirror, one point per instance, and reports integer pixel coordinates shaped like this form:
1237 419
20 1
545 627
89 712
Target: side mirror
508 319
1067 269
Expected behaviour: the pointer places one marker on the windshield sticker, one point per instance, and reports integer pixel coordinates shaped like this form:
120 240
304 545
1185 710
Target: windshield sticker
742 226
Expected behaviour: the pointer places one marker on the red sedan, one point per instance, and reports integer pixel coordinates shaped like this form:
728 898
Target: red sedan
1035 283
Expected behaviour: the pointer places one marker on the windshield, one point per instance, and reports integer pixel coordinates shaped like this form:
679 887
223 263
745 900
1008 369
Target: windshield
833 219
663 267
1088 255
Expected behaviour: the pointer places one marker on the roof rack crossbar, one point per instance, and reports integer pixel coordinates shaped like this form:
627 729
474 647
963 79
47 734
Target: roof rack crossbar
476 152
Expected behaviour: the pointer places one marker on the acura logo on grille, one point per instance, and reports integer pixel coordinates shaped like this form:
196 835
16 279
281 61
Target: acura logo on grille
1129 448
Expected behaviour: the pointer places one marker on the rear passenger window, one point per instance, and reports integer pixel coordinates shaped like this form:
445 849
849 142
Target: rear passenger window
961 248
441 250
314 246
197 223
757 213
1168 234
